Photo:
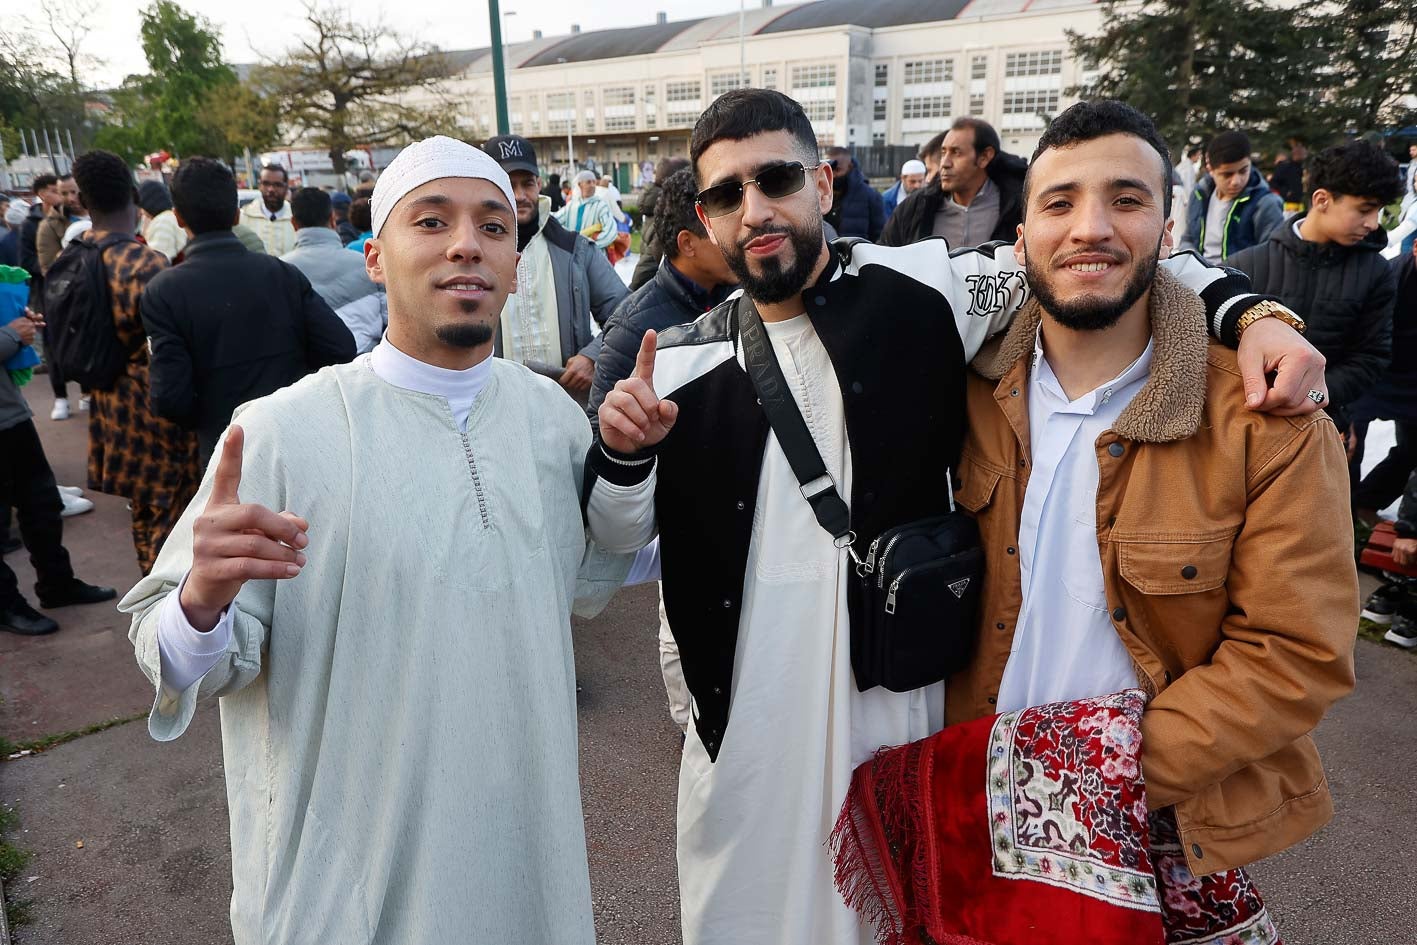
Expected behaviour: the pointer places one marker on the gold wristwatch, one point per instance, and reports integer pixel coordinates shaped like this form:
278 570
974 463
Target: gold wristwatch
1268 308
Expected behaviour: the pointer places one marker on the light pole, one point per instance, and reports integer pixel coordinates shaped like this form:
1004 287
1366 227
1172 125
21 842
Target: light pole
499 75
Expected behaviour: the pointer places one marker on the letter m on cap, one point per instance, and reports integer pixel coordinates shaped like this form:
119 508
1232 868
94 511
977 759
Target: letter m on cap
510 149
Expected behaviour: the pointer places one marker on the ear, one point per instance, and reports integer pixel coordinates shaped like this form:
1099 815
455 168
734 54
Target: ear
688 246
374 261
513 289
988 156
334 221
1168 239
703 219
1019 254
825 176
1320 200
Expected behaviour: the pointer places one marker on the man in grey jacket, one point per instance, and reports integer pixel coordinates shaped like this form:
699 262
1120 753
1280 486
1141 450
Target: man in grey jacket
562 282
336 274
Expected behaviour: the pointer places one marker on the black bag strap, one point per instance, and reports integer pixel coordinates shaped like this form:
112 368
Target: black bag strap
818 487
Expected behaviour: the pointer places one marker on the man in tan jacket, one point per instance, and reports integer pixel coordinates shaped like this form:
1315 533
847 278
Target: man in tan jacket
1142 527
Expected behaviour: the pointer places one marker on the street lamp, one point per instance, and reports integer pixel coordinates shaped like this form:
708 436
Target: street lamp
499 75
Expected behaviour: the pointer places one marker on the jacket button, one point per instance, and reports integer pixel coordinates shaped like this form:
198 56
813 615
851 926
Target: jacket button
1116 449
717 691
1119 614
1014 392
1011 550
1022 463
1196 849
1167 676
742 505
1188 572
999 626
993 701
857 387
727 604
820 300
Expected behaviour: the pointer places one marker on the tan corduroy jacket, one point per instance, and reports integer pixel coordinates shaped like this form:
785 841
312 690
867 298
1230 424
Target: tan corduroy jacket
1227 557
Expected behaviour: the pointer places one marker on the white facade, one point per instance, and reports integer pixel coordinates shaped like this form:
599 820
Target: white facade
1007 61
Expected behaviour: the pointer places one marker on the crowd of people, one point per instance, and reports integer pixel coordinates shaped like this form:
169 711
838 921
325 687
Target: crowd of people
1121 455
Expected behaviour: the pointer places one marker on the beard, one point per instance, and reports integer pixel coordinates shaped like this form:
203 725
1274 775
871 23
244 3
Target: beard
776 283
1091 312
464 334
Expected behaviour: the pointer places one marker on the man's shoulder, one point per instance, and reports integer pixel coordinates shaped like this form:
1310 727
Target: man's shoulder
1225 409
715 325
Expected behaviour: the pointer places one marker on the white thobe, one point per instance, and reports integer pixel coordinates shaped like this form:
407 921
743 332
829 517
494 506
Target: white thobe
777 783
1065 646
399 721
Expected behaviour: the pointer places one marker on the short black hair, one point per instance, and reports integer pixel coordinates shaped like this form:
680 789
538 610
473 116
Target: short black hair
311 207
1355 169
64 177
284 174
743 113
1227 148
1087 121
1193 150
105 182
361 214
42 181
668 166
675 211
932 146
204 195
984 134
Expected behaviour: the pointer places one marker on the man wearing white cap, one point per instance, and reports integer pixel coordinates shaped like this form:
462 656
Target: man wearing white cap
588 214
377 577
912 178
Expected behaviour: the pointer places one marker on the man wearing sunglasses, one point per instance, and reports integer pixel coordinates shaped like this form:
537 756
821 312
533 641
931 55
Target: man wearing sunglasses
873 343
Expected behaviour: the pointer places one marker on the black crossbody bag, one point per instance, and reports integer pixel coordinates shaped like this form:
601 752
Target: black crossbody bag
913 618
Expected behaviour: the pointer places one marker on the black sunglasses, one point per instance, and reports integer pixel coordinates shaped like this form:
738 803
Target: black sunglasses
776 182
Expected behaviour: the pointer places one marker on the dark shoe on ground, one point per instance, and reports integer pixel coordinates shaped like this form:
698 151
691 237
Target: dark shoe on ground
1403 631
76 593
1381 605
9 545
23 619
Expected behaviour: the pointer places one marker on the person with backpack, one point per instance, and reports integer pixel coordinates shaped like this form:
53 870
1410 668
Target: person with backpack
150 461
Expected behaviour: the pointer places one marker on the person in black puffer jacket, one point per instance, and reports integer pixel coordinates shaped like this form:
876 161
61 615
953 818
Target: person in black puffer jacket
1326 266
856 207
692 278
1394 398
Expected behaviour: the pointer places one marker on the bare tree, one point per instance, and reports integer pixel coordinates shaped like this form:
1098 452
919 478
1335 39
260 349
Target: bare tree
70 22
348 84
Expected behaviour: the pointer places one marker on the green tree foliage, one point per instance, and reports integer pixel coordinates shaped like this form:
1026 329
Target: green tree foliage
349 84
33 93
1201 66
1367 49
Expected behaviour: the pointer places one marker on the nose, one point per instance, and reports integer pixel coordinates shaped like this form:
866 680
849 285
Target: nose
464 244
1092 224
757 207
1373 219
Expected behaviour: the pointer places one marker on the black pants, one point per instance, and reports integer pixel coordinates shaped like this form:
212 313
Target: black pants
56 376
27 485
1384 484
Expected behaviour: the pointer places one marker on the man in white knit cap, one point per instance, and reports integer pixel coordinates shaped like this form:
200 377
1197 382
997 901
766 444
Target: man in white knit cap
377 578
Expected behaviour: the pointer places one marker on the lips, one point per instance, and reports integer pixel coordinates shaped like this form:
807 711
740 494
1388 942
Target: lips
765 245
465 287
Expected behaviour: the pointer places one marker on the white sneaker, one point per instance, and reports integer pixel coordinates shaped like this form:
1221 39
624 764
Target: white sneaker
74 491
73 505
61 409
84 403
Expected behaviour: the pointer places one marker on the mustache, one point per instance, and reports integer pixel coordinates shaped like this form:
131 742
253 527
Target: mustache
1110 253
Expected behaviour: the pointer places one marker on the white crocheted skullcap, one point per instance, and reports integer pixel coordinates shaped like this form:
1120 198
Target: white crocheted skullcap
584 176
912 166
433 159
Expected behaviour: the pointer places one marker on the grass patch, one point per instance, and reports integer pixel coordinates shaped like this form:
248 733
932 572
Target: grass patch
13 861
46 742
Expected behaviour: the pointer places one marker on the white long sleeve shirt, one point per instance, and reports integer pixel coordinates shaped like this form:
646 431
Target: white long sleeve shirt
1065 646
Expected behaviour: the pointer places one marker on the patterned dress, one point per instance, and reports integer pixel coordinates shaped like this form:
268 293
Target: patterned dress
133 453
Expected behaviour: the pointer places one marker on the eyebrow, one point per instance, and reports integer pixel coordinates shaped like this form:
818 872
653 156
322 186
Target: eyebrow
441 200
1116 183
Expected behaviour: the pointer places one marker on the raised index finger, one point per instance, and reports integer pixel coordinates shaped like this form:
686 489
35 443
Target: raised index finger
226 478
644 361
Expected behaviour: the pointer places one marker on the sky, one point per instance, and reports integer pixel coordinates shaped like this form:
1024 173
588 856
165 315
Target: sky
250 30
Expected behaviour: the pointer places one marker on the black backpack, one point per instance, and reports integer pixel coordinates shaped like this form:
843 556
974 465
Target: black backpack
78 315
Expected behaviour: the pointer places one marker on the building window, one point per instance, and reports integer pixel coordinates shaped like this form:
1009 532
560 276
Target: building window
925 71
883 75
926 106
976 105
1039 62
727 82
820 76
1022 109
622 95
769 78
684 101
879 112
683 91
560 112
878 139
620 123
979 67
820 110
649 95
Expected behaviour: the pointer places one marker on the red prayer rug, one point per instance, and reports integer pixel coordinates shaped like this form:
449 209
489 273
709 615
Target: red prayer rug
1030 828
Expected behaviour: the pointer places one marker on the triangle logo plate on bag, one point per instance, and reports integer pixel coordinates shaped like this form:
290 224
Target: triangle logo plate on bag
958 587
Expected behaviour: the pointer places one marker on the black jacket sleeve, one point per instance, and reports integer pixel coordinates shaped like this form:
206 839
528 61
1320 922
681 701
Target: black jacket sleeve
1406 524
894 232
327 338
172 392
1368 350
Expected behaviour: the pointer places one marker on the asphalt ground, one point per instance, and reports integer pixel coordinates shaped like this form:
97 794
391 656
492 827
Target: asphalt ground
129 837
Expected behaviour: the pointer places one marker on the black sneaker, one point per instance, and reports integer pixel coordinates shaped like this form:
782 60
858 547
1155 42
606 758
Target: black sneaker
23 619
1381 605
1403 631
76 592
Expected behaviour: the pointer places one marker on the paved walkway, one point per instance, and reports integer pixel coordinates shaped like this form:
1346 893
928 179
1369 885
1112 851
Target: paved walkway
155 868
